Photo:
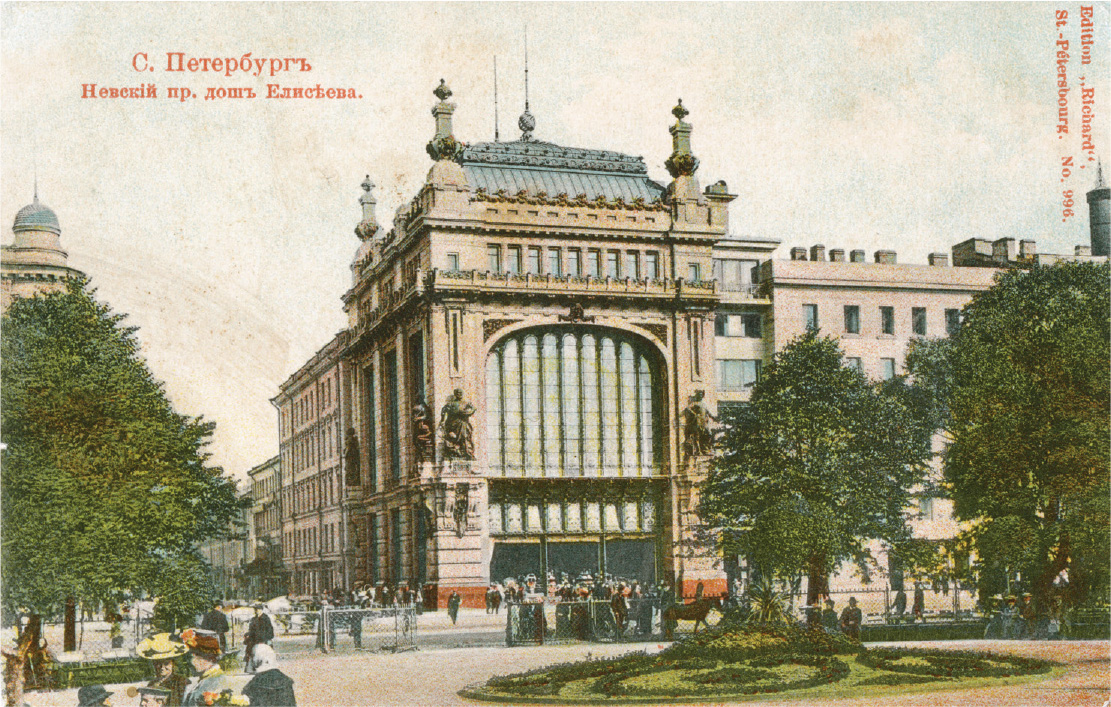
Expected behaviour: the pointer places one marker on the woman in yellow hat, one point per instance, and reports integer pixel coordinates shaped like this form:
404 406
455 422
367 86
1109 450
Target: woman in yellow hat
161 650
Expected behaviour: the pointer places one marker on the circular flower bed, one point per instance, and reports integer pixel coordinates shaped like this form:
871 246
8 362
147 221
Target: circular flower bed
952 664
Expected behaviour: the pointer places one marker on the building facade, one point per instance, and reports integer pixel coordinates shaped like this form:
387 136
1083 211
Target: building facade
228 558
534 349
265 573
311 419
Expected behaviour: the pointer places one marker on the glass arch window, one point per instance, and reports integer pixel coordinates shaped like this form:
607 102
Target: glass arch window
570 403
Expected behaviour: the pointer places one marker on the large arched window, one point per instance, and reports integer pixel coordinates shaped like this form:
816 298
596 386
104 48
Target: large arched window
565 402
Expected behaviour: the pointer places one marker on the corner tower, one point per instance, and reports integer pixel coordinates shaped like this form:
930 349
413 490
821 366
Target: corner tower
35 262
1098 217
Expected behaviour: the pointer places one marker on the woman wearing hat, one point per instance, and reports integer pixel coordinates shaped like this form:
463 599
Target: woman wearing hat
161 650
204 654
93 696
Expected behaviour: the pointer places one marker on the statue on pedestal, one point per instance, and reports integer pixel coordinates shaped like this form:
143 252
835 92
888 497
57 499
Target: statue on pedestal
422 432
698 440
455 425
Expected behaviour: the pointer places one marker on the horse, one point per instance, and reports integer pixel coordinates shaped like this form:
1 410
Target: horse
696 611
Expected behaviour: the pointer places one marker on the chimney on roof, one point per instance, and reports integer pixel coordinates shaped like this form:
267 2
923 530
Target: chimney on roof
939 260
837 255
856 256
1004 250
1027 249
798 254
885 257
1083 250
817 253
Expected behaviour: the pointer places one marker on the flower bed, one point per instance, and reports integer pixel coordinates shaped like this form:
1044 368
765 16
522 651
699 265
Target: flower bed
721 664
952 664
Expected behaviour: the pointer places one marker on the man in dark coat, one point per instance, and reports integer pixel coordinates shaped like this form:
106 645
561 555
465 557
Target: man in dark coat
851 618
217 622
453 603
270 687
259 631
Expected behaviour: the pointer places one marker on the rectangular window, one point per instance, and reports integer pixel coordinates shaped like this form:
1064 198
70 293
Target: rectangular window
452 261
574 263
416 367
747 325
371 430
493 255
395 546
372 549
651 265
594 263
952 321
737 375
854 362
735 275
612 271
918 320
810 314
694 272
632 264
887 320
852 319
393 419
513 260
534 261
555 262
888 368
751 325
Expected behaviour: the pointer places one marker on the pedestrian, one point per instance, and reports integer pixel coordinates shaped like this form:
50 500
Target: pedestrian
497 599
900 606
217 622
1027 618
93 696
162 651
453 603
919 607
204 656
620 607
259 631
270 687
851 619
1009 615
829 617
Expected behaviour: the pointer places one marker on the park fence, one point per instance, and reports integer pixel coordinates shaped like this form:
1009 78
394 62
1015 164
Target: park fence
550 620
343 630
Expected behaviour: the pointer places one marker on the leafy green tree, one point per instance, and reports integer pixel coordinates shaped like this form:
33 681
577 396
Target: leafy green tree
104 486
1026 407
818 463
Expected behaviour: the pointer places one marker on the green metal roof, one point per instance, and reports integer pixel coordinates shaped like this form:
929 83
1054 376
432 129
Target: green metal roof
37 217
535 167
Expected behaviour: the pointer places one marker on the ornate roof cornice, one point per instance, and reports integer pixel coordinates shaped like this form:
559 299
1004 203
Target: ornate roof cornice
533 153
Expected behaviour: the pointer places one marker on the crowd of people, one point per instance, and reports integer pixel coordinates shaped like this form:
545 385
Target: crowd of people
262 684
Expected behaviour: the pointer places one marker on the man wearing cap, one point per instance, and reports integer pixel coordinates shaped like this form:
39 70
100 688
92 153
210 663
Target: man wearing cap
204 655
161 650
93 696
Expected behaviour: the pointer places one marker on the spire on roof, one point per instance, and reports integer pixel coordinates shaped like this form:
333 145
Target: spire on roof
443 146
369 225
527 123
1099 174
681 162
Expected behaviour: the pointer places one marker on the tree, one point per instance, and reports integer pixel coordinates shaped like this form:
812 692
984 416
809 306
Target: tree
104 486
1027 410
819 462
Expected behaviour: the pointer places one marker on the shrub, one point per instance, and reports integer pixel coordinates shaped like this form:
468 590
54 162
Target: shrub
954 664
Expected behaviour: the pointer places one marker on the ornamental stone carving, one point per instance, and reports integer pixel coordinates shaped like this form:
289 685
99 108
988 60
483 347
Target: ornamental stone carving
491 326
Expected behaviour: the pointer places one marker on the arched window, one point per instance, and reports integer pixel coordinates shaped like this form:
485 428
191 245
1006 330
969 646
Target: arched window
571 403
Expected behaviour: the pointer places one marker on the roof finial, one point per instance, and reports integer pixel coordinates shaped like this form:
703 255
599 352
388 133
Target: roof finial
369 225
495 98
681 163
444 146
1099 174
526 122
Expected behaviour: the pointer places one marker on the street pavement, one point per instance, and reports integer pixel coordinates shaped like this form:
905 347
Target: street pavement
433 674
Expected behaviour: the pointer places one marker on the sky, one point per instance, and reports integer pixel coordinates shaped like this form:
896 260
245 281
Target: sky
224 228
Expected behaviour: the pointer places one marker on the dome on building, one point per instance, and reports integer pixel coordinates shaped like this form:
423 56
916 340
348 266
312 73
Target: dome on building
37 217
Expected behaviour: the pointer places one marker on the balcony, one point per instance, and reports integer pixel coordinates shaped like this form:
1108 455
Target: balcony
485 281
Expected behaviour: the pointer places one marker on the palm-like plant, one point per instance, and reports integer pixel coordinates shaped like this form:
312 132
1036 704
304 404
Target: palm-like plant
768 605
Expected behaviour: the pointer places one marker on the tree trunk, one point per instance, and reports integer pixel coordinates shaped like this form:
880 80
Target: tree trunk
69 638
817 584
